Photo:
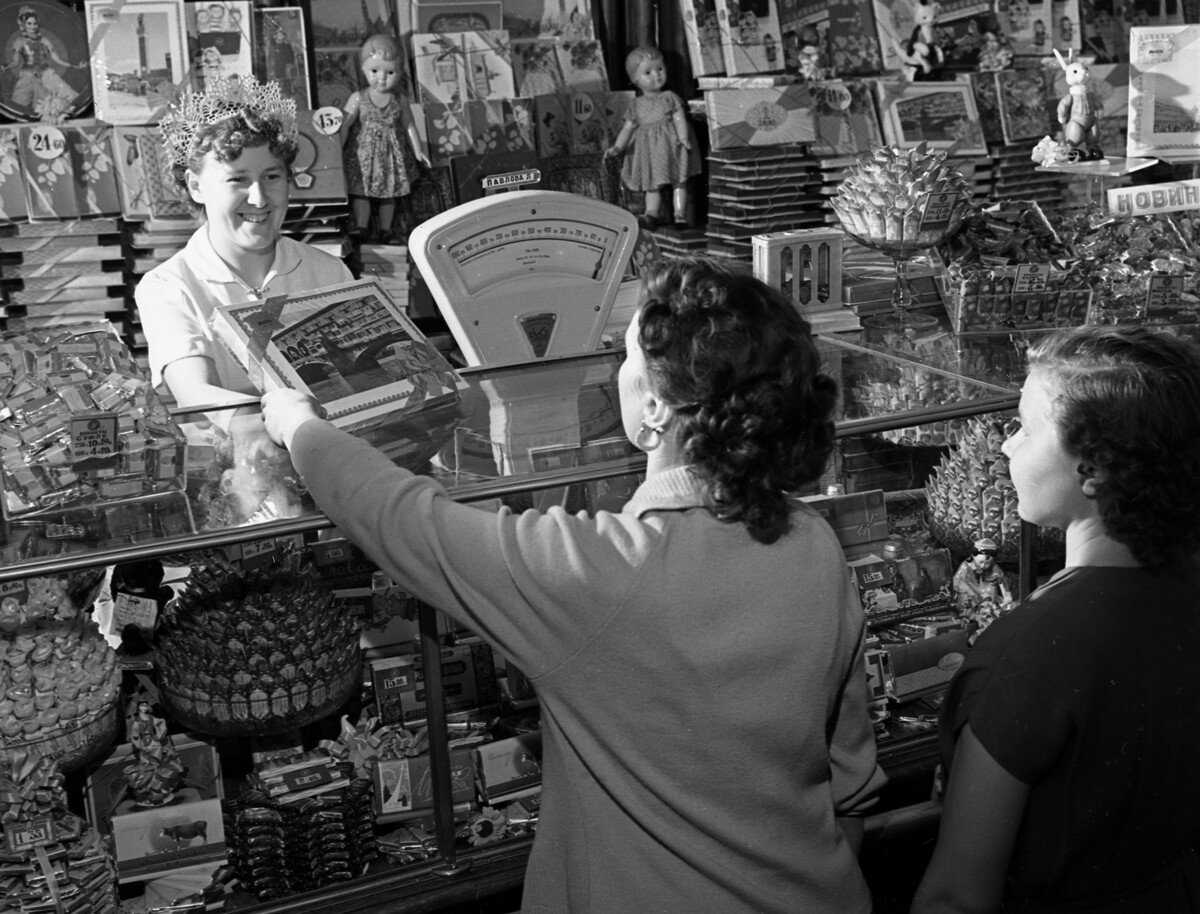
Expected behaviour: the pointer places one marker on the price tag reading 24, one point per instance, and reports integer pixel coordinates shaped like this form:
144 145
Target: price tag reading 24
937 209
47 142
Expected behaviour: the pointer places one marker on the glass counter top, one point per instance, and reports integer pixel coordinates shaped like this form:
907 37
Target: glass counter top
532 429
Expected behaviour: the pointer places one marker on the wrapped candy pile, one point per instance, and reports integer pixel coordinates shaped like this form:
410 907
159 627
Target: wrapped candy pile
256 652
1124 256
997 250
79 423
59 679
52 860
882 199
971 496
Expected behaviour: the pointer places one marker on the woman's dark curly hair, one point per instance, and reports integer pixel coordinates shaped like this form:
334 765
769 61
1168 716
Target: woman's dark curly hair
1128 405
739 365
227 138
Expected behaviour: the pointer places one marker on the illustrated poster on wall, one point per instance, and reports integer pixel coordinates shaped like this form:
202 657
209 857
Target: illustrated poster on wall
569 19
59 89
1164 95
139 63
1038 27
281 51
751 41
219 41
702 27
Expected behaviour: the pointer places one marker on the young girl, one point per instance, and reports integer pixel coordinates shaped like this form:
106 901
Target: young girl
378 121
231 151
1072 724
658 137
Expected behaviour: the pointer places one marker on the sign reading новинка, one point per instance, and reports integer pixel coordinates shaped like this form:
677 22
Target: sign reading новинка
1154 198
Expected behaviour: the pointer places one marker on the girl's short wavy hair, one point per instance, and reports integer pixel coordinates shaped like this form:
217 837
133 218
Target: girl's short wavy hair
741 369
1126 401
227 138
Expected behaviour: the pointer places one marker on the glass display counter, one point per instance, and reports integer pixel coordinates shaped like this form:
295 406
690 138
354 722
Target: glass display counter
532 435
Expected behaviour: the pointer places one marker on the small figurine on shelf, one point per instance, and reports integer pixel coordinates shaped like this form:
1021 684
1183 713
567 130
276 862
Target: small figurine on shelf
377 126
656 139
922 55
156 769
1079 110
981 587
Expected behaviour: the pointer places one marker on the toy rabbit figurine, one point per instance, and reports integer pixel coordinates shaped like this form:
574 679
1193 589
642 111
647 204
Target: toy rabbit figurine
378 123
1078 110
921 55
658 138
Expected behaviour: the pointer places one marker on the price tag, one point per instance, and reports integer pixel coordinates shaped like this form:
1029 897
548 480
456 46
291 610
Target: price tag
1164 292
94 435
47 142
328 120
140 611
15 589
1031 277
936 209
28 834
582 106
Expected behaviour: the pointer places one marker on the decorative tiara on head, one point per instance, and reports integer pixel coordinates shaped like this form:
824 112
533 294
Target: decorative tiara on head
226 98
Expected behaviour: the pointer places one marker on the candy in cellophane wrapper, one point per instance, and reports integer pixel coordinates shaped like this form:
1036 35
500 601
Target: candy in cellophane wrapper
1144 269
80 424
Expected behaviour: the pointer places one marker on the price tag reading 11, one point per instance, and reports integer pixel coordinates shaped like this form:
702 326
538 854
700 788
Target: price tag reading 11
936 209
1031 277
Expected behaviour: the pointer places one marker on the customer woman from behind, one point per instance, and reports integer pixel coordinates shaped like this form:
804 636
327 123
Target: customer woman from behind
1073 723
698 657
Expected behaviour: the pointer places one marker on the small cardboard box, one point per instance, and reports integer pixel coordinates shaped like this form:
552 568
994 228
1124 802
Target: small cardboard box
858 518
404 787
468 678
510 768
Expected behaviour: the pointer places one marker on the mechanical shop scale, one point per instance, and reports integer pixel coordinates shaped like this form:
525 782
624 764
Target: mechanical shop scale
527 275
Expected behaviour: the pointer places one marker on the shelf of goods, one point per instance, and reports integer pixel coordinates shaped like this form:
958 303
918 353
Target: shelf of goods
522 435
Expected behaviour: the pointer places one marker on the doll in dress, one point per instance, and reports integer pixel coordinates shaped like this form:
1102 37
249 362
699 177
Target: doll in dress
378 127
656 139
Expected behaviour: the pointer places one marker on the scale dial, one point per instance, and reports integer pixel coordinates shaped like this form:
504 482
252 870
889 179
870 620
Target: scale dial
540 246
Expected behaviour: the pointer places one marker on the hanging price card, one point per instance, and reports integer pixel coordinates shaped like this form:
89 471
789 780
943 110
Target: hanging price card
27 834
936 209
1031 277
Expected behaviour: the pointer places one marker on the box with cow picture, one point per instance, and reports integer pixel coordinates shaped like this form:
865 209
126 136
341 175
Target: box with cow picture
180 827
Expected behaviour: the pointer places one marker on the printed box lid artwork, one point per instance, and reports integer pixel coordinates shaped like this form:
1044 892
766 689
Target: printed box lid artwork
535 67
1164 96
760 117
939 114
348 346
750 36
845 120
218 41
69 171
702 26
12 181
139 60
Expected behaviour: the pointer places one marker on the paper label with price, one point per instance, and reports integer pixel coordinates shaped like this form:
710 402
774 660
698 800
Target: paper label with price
28 834
328 120
1164 293
1031 277
46 142
141 611
936 209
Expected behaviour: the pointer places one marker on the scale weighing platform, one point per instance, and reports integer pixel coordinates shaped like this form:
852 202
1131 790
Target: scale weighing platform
526 274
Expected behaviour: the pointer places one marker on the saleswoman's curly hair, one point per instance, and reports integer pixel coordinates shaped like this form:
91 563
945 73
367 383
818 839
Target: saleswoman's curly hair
740 367
228 138
1128 404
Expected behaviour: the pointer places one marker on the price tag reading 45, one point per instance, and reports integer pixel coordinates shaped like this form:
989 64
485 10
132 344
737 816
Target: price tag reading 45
327 120
936 209
1031 277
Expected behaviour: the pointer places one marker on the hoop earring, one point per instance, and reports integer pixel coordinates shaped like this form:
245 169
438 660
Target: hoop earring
653 432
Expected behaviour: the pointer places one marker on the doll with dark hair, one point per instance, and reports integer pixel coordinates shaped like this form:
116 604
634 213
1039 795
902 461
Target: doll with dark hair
703 608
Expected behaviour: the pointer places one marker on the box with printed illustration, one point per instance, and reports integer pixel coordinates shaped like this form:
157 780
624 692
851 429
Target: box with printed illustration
858 518
468 680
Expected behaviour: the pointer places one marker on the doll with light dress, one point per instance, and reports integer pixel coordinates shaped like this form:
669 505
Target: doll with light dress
656 140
